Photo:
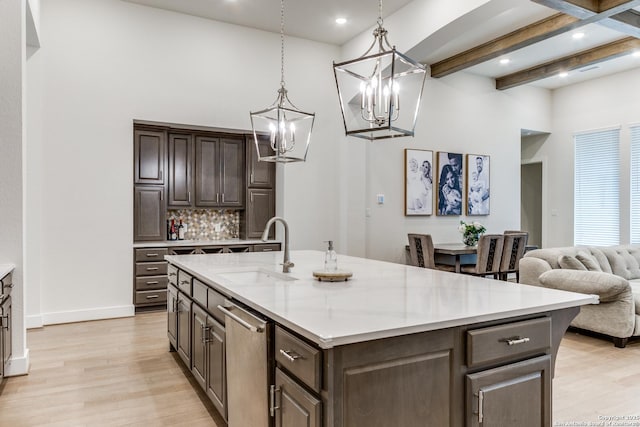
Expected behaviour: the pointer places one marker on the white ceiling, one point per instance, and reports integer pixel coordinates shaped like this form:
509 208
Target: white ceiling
315 20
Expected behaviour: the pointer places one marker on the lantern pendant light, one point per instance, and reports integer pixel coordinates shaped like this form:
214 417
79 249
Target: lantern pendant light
286 128
380 92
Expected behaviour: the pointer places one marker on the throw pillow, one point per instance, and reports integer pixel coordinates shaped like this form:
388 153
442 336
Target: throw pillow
589 261
602 259
570 263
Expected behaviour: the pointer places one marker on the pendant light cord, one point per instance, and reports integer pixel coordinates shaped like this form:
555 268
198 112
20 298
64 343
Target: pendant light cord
282 43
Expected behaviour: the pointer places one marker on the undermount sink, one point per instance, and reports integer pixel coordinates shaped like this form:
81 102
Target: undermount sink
255 276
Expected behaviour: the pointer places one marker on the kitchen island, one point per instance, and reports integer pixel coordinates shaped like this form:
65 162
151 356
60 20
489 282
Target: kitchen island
395 345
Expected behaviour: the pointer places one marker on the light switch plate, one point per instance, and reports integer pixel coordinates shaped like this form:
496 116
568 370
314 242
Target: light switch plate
380 198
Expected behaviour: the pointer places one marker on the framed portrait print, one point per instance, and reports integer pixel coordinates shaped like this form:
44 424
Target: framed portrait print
450 184
418 182
478 195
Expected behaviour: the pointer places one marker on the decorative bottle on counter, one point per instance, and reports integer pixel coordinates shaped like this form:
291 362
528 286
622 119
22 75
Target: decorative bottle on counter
330 258
180 231
172 231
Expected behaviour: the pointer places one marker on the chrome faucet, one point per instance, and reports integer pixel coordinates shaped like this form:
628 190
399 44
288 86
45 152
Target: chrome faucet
286 263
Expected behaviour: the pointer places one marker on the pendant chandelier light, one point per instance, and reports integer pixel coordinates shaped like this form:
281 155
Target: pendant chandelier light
380 91
287 128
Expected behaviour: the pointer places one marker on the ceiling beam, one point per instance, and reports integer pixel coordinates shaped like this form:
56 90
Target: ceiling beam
582 59
523 37
614 14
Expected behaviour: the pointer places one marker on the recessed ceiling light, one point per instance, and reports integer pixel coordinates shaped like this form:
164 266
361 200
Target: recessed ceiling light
505 61
563 74
341 21
577 36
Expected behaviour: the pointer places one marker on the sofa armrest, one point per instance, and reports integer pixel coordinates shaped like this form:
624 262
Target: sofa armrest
531 268
608 287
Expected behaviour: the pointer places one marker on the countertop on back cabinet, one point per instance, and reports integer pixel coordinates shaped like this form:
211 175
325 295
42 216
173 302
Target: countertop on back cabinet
6 269
381 300
196 243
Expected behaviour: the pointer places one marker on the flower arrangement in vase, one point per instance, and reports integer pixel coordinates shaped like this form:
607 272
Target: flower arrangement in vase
471 232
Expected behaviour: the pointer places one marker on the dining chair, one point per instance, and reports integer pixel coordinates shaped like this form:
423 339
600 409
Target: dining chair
422 254
513 249
488 258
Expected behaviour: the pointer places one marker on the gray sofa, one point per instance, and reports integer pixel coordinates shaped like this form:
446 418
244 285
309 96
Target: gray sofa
612 273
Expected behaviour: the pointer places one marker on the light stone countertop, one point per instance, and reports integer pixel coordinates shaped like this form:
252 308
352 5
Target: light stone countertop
6 269
381 300
196 243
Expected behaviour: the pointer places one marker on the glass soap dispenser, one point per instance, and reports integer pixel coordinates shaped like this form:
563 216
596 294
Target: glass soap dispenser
330 258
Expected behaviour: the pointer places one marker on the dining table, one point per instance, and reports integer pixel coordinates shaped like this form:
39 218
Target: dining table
455 254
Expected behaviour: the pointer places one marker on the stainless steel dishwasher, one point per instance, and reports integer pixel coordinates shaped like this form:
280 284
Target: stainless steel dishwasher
248 367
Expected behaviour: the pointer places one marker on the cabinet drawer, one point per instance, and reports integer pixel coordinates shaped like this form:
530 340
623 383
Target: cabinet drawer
269 247
146 283
172 274
299 358
151 268
151 254
184 282
511 341
151 297
214 299
200 292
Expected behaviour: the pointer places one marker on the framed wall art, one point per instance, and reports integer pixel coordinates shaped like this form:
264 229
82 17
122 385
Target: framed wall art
418 182
478 195
450 184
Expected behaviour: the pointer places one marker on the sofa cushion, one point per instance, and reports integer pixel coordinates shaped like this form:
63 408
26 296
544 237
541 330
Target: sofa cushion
635 288
589 261
622 263
570 263
602 259
607 286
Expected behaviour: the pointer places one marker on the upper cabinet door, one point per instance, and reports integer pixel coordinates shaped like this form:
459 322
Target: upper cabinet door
260 174
207 171
180 160
149 156
232 169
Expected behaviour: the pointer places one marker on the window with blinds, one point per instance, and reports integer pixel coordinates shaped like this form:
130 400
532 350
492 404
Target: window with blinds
635 185
597 188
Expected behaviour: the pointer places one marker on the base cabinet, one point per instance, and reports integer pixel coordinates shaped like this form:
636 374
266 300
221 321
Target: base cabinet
295 406
216 375
512 395
5 335
172 316
184 328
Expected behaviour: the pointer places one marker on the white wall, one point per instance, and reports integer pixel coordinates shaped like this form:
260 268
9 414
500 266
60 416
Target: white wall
104 63
599 103
12 170
461 113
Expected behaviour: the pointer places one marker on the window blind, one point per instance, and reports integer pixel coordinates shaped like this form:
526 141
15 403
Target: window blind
597 188
635 185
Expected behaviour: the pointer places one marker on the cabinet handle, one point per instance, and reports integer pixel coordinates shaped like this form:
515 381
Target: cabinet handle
222 197
155 282
217 197
152 268
517 340
205 333
267 250
173 273
188 196
152 296
480 404
291 355
150 255
272 400
184 282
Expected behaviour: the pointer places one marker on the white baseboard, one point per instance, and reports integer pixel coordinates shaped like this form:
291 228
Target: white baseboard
85 315
18 365
32 322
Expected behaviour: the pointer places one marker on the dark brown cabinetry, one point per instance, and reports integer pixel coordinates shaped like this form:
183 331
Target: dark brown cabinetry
149 156
261 193
180 184
211 175
184 328
150 277
149 208
296 406
172 315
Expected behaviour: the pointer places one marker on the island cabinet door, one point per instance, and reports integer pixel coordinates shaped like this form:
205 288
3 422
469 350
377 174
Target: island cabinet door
184 328
172 316
294 406
518 394
216 367
199 334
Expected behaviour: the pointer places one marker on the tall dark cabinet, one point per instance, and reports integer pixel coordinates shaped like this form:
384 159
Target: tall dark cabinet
261 191
149 204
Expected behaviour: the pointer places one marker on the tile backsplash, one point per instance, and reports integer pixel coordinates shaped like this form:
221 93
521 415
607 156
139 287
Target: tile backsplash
207 224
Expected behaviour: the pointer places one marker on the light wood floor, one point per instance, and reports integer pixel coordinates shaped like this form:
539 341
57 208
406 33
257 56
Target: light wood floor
119 373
